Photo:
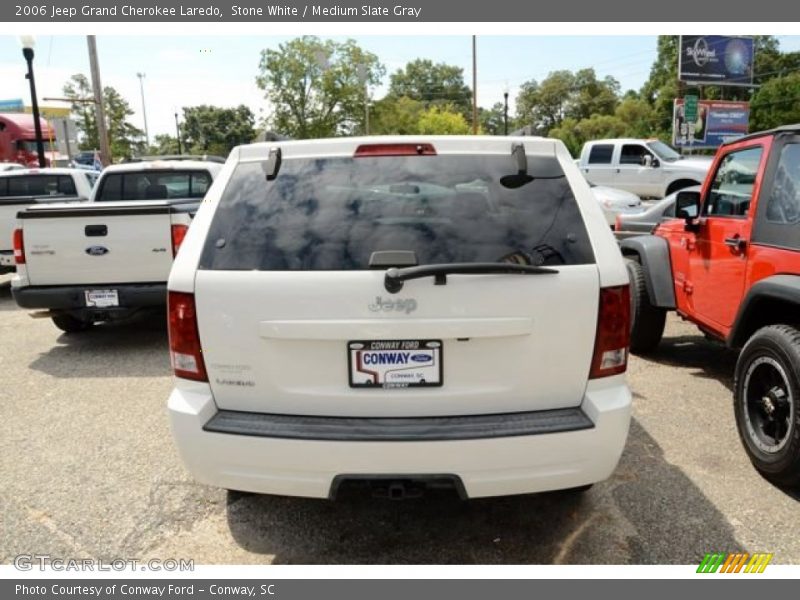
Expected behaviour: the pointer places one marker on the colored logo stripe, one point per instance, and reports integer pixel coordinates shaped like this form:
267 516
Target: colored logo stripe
734 563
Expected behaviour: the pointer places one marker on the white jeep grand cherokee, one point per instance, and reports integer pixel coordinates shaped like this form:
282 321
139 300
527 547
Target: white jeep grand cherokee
402 310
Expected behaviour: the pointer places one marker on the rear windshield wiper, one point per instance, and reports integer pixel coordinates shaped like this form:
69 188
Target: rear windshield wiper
395 278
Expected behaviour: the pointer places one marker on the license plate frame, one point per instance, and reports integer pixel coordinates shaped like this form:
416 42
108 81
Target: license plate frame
409 372
101 298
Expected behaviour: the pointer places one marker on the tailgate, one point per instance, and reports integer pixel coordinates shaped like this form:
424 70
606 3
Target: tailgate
90 244
279 342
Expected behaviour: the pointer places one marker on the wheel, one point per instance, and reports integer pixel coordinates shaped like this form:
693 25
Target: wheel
70 324
647 321
766 396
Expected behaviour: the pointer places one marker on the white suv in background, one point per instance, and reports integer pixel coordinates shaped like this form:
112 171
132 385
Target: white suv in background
402 311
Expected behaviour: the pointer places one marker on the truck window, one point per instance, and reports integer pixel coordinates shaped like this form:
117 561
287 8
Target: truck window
40 185
732 186
632 154
783 202
601 154
153 185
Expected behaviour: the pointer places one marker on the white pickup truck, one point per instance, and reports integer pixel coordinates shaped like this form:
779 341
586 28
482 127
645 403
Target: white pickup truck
23 187
648 168
109 258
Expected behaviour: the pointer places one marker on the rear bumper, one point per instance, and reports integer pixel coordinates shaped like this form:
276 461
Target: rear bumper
73 298
485 466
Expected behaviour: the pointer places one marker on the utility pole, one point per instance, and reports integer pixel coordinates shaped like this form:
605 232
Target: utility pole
100 112
27 52
474 86
178 133
144 109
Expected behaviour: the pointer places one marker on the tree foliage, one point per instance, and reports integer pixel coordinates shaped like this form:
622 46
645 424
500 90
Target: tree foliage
125 139
215 130
433 84
443 120
317 87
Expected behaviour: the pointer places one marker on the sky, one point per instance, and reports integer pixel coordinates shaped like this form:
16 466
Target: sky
221 70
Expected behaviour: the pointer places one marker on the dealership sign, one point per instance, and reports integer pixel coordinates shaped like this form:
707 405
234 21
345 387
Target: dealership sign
715 122
716 60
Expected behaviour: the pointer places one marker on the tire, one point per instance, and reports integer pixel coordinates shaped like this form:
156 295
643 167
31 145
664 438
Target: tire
69 324
647 321
766 398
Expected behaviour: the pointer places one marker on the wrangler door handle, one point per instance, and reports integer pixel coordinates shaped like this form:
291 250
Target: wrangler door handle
736 242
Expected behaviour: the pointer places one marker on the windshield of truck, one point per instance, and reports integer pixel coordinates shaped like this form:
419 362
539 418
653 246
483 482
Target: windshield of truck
334 213
153 185
663 151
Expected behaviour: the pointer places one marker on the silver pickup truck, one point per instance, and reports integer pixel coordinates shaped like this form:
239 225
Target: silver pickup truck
111 257
24 187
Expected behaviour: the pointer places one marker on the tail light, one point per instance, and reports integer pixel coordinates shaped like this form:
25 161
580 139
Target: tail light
178 233
613 332
18 243
185 351
618 224
395 150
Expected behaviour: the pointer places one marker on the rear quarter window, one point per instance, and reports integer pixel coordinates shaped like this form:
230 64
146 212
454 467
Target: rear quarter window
332 214
600 154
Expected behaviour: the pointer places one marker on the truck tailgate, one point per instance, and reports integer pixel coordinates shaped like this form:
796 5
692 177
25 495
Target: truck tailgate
98 243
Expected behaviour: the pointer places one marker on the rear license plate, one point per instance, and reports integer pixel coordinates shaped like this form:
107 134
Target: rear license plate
102 298
394 363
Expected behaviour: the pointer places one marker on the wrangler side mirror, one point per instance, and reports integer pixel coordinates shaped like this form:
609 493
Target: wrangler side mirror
687 206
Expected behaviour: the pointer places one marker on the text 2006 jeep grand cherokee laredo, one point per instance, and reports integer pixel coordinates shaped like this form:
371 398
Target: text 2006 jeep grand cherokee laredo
404 311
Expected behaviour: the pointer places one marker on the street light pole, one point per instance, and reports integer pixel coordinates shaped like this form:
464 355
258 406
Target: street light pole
505 112
141 77
474 85
178 132
28 43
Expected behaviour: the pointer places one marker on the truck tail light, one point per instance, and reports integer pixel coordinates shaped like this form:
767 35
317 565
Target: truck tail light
178 233
395 150
618 224
185 351
18 243
613 332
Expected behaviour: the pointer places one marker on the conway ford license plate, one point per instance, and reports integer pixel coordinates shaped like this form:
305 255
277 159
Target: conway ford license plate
102 298
395 363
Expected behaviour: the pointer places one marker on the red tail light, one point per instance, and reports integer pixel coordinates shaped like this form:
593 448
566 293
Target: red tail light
185 351
178 233
613 332
618 224
395 150
18 243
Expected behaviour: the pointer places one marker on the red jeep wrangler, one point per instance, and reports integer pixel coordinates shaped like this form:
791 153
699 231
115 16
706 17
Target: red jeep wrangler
731 264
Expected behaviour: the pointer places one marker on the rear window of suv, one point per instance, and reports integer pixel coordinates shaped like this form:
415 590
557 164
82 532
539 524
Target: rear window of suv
153 185
333 213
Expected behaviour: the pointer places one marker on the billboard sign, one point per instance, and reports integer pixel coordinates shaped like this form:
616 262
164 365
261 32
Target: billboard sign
716 122
716 60
13 105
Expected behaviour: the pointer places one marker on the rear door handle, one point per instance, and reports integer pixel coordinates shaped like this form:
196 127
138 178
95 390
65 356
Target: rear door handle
736 242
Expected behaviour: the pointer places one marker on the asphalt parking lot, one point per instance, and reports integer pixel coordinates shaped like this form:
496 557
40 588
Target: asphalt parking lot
88 469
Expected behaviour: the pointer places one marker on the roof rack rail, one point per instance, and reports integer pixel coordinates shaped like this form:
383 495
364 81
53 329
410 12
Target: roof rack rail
206 157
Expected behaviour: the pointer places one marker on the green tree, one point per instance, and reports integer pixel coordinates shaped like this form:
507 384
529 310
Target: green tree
396 116
639 117
492 120
163 143
317 88
215 130
777 102
591 95
443 120
124 138
434 84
